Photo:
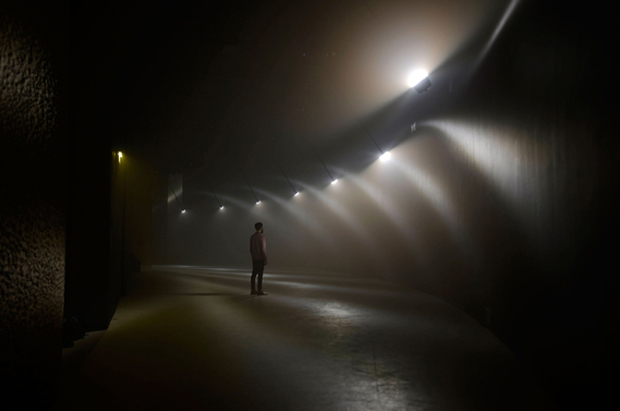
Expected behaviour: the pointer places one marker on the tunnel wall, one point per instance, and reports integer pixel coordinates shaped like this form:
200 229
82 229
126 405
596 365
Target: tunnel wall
133 191
33 143
532 161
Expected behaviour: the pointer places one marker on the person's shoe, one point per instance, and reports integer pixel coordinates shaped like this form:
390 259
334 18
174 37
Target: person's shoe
262 293
254 292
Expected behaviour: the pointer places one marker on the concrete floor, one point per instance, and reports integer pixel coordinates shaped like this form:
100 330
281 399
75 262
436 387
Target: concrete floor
192 338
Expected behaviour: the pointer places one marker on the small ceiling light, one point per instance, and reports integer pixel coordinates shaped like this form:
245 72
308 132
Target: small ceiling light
385 156
120 155
183 211
296 194
335 181
257 201
221 207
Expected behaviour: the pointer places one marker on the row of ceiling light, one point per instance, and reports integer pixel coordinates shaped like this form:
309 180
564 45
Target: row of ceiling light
418 80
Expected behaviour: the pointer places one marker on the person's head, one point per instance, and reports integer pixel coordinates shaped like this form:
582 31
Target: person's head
259 226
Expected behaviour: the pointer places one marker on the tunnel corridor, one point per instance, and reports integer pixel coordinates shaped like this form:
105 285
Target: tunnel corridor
476 269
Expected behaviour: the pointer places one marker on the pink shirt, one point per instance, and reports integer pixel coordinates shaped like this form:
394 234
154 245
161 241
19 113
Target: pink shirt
258 247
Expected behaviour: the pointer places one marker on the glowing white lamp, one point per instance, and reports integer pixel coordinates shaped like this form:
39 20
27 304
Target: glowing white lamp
385 156
335 181
416 77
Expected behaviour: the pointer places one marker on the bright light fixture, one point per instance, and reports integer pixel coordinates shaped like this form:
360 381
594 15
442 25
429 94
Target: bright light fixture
120 155
221 207
385 156
335 181
257 201
183 211
416 77
296 193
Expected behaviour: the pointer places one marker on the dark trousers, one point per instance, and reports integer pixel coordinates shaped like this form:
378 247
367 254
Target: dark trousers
258 266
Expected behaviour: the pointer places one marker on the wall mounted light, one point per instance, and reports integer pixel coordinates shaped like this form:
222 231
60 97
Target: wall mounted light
423 85
217 199
416 77
248 183
419 81
295 192
324 166
383 155
177 198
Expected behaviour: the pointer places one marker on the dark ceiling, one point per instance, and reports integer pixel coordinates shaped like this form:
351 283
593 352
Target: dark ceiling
218 89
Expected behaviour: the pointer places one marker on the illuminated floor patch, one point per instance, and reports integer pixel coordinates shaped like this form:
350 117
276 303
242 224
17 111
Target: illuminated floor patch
195 339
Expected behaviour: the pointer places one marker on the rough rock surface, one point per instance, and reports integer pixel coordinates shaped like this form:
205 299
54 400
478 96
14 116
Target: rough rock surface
32 217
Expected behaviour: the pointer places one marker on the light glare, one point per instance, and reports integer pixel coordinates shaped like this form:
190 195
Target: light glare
416 77
385 156
335 181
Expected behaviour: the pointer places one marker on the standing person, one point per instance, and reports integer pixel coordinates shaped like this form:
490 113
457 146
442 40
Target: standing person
258 250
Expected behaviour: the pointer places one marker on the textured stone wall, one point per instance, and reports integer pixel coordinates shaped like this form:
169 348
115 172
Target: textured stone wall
32 217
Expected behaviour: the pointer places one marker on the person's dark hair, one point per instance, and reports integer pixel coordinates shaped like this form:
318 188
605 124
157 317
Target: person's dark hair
258 226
